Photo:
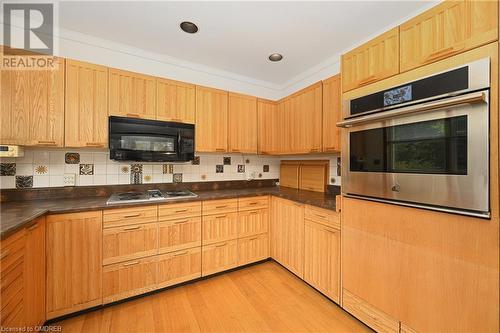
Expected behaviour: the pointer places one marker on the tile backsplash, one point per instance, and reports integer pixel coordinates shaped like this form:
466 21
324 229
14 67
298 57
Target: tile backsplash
46 168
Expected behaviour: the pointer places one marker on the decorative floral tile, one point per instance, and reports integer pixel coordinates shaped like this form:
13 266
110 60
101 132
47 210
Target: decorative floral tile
125 169
219 168
241 168
196 160
72 158
136 168
86 169
24 181
265 168
7 169
136 178
41 170
168 169
177 178
227 160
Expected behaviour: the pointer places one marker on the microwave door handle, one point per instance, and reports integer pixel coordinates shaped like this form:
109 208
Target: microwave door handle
472 98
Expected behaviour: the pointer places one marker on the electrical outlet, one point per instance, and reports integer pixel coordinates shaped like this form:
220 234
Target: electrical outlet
69 179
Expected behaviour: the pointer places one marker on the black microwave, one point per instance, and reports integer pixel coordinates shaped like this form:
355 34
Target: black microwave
142 140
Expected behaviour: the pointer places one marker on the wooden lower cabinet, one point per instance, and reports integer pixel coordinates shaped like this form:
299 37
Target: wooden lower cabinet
129 278
129 242
219 257
218 228
179 234
179 266
253 222
74 262
253 248
322 259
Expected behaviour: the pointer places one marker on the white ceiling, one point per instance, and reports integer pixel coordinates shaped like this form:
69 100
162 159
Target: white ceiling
237 37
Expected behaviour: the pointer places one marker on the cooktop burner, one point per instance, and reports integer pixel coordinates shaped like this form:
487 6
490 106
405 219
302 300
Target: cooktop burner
151 195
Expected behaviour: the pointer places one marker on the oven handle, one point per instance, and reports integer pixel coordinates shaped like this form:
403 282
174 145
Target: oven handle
476 97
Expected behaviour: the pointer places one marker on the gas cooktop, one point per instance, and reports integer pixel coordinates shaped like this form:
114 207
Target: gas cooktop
151 195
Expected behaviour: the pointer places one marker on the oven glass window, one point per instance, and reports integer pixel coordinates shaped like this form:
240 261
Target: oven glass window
432 147
145 143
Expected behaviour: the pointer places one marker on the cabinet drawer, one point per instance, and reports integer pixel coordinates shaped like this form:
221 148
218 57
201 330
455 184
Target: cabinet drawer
253 203
253 248
129 279
219 257
323 216
178 211
218 228
220 206
129 242
179 234
126 216
253 222
179 266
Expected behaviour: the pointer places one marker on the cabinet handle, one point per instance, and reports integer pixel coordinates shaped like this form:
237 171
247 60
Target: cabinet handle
319 215
132 228
94 144
235 150
132 215
5 254
181 254
264 153
221 206
331 231
221 245
46 143
253 238
314 150
443 53
369 79
254 213
331 148
177 120
253 203
181 210
221 216
180 222
220 149
133 115
33 227
131 263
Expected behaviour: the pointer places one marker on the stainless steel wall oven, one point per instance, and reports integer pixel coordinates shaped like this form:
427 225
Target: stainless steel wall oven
423 144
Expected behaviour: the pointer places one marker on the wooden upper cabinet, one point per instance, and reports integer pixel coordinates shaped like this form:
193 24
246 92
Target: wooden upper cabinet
211 119
175 101
32 107
446 29
332 114
242 123
372 61
131 94
284 128
86 117
267 124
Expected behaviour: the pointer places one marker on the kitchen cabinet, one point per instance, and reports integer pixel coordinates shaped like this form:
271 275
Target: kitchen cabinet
34 271
253 222
287 234
322 258
242 123
286 126
449 28
252 203
332 114
32 109
129 278
268 127
175 101
179 266
253 248
179 234
219 257
179 211
289 174
221 206
129 216
86 105
313 175
131 94
211 120
372 61
74 262
129 242
219 227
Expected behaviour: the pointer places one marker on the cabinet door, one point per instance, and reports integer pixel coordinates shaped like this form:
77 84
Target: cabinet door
322 259
313 175
287 234
219 257
179 266
129 278
242 124
268 126
34 286
211 120
285 128
252 249
306 114
253 222
332 114
372 61
131 94
446 29
175 101
179 234
218 228
129 242
86 117
289 174
74 262
32 112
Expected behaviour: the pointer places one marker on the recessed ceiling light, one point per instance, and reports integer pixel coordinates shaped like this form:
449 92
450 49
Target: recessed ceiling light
275 57
189 27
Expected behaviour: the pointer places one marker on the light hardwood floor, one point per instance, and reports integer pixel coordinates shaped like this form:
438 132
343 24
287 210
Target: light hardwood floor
260 298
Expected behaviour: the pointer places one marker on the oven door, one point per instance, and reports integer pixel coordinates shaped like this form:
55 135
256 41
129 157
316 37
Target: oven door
432 155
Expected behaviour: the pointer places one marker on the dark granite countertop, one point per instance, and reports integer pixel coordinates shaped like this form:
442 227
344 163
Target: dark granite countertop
16 214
